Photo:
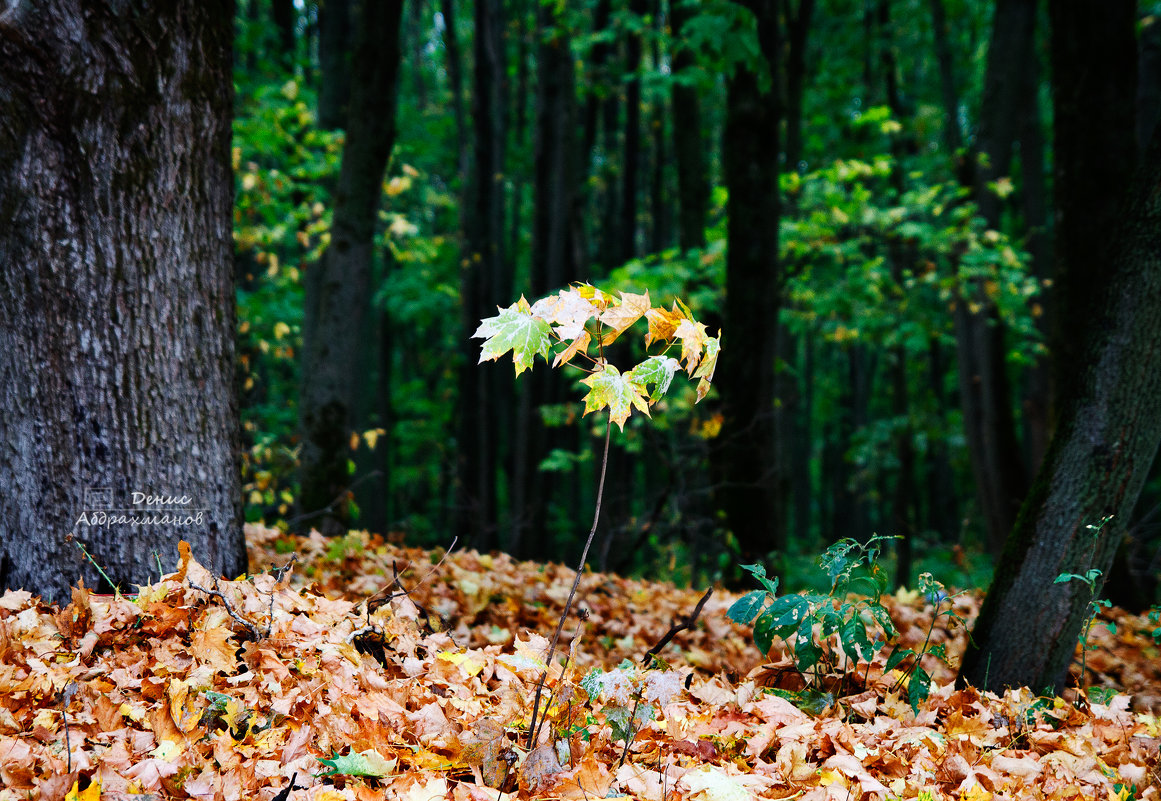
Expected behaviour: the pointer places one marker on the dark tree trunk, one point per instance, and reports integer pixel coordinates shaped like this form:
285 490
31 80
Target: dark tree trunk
116 293
1106 438
1037 392
455 79
1148 80
552 265
952 136
985 394
797 29
631 161
284 18
744 459
334 58
693 187
486 283
1094 67
338 287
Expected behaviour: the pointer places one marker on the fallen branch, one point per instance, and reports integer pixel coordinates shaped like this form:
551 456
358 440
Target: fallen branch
679 625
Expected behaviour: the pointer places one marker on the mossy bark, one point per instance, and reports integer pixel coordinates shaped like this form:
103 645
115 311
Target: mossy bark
116 294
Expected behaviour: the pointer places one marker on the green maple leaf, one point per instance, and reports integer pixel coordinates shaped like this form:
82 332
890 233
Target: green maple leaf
656 370
363 763
514 329
705 371
608 388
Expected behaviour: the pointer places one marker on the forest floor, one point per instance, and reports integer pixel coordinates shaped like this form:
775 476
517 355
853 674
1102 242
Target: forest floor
372 671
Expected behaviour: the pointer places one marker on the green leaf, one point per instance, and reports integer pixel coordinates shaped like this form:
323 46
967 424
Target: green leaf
807 653
514 329
759 572
896 657
363 763
918 688
656 370
608 388
747 607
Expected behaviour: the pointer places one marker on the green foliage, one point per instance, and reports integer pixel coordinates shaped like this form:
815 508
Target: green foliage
833 632
1090 577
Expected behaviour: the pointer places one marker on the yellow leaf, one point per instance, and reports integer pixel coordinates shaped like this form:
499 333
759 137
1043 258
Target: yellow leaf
180 706
619 317
371 436
90 793
662 324
281 329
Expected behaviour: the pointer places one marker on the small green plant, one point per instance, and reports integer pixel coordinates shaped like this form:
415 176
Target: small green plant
631 696
1089 577
574 326
808 623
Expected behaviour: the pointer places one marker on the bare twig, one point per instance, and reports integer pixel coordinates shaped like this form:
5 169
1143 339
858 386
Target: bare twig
533 729
229 608
679 625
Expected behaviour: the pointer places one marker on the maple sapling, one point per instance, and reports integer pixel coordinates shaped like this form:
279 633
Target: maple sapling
574 326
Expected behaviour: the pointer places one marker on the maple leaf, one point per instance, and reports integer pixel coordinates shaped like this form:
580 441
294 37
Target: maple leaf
662 324
514 329
567 311
656 370
607 387
574 347
622 315
693 338
705 371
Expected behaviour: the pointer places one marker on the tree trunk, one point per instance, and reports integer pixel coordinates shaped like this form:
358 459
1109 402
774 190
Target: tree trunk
334 58
744 459
693 188
338 287
284 18
116 296
952 136
487 282
1094 67
631 163
985 394
1106 438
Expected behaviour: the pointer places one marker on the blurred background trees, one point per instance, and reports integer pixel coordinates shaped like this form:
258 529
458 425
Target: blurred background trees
898 211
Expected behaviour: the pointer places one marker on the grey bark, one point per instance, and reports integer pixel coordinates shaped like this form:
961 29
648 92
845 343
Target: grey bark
116 293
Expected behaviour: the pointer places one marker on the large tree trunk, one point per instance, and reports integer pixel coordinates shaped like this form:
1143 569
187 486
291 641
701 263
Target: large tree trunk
116 293
338 288
1106 438
744 459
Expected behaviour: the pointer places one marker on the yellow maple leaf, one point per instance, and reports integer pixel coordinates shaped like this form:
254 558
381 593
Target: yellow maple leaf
619 317
90 793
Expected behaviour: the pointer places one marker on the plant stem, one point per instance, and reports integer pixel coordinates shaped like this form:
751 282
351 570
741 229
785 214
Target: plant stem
533 728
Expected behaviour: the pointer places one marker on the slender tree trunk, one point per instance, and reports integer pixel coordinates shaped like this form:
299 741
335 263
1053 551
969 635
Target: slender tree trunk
338 288
797 28
334 57
744 459
117 308
952 135
487 282
1105 441
985 393
631 161
284 18
689 145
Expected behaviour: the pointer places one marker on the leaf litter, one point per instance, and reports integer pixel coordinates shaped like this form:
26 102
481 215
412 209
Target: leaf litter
374 671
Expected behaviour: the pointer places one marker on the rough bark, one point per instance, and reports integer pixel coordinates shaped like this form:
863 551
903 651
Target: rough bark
116 293
338 287
1106 438
744 459
334 57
